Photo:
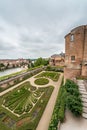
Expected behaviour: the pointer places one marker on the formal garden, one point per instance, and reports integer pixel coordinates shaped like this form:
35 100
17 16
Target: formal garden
22 100
22 108
49 74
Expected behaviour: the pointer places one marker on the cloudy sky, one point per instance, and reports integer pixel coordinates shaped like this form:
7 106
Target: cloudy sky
36 28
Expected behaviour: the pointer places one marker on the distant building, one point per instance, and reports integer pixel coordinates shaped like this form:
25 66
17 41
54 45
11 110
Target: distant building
76 52
57 59
10 63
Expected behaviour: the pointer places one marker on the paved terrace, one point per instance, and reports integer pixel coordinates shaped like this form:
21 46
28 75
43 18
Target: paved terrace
46 117
73 123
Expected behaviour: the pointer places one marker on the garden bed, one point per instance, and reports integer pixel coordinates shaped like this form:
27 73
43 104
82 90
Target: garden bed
22 100
41 81
52 75
27 101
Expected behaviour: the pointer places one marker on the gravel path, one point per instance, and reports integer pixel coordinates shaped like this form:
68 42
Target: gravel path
46 117
32 79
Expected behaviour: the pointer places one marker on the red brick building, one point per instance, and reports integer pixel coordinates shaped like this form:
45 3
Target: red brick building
76 52
57 60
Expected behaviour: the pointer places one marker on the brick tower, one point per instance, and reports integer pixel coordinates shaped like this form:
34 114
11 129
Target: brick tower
76 52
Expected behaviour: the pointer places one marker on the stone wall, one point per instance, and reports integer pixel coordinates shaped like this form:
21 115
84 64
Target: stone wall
16 80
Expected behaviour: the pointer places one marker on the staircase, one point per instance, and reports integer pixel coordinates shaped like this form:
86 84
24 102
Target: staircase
83 92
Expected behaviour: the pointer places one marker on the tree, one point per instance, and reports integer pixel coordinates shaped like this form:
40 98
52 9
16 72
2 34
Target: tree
41 61
2 66
7 66
32 65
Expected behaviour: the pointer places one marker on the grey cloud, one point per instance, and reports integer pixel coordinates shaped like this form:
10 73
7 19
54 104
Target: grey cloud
33 28
28 39
5 46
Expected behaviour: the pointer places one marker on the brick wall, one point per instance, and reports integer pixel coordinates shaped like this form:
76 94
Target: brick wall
70 73
84 70
75 47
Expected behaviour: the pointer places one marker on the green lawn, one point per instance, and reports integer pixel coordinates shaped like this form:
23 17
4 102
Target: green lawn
52 75
41 81
28 102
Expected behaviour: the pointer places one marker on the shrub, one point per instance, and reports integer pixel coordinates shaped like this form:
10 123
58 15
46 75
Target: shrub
73 101
56 69
74 104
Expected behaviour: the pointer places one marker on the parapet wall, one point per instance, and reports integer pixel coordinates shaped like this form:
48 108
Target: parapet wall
13 81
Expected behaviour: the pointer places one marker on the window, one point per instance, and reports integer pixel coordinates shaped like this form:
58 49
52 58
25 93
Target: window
72 58
72 37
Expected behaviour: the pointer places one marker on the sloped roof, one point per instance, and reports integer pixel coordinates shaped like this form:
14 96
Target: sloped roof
58 55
